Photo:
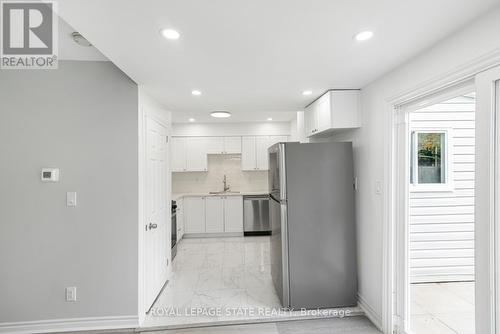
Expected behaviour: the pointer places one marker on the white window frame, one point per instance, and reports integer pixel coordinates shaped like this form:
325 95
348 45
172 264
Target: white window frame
448 164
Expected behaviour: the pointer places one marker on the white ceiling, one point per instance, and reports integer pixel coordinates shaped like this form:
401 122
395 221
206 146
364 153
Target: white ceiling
255 57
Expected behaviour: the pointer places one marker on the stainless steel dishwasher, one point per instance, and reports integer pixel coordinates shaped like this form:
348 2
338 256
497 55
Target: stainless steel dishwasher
256 215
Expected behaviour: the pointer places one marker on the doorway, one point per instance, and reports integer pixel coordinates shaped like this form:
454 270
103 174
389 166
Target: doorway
423 277
441 215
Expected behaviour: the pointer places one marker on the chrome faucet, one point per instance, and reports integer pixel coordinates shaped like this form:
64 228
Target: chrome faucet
226 187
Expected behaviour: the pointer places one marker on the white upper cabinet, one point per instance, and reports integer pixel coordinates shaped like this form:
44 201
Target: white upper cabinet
248 153
232 145
215 145
254 156
261 155
223 145
336 109
178 154
196 154
189 154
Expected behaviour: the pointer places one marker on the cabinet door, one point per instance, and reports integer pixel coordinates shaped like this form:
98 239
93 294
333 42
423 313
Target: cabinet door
310 119
323 113
233 214
214 214
215 145
232 145
248 153
277 139
178 154
196 154
261 155
194 215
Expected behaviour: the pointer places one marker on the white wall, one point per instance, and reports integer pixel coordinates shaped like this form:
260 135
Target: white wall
442 222
370 142
231 129
81 118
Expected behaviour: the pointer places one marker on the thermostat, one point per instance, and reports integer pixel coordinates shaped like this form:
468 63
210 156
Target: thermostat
50 174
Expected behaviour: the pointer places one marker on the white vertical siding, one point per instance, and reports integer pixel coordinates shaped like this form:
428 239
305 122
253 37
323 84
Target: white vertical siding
442 223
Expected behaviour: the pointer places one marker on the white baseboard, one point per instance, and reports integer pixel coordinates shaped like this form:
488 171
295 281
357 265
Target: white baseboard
370 312
73 324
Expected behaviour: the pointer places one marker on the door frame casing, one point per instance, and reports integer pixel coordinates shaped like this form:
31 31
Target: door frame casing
395 186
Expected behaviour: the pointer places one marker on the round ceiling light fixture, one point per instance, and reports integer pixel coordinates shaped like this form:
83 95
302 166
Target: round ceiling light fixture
307 92
269 119
196 92
363 36
170 33
220 114
192 120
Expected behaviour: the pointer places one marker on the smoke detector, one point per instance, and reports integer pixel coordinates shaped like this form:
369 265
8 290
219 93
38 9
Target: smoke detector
80 40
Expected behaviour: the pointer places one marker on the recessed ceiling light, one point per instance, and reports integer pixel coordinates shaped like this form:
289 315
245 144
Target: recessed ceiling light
192 120
307 92
220 114
269 119
196 92
363 36
170 33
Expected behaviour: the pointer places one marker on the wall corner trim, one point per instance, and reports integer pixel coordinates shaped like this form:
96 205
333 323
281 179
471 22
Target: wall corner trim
71 324
370 312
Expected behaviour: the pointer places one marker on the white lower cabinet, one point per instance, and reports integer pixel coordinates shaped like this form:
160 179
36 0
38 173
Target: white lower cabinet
213 214
194 214
233 214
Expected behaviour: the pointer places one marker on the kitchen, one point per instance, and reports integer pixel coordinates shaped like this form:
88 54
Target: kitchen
222 233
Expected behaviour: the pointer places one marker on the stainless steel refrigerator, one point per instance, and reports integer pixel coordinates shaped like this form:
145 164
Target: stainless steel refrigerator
313 237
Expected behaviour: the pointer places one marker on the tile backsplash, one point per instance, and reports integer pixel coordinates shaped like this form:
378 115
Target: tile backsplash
218 166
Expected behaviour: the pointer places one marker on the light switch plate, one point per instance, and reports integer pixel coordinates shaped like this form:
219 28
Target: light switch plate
71 198
71 294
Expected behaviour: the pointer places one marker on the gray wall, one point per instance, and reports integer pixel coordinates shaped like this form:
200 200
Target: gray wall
83 119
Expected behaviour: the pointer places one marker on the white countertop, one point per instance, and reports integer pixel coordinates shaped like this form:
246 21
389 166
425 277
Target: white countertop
203 194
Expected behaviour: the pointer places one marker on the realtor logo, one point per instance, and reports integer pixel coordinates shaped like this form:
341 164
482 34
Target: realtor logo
29 35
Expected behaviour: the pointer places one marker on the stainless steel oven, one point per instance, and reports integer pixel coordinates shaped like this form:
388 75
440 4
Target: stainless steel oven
174 230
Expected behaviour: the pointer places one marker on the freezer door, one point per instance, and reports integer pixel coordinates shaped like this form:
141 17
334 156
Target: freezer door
279 250
277 184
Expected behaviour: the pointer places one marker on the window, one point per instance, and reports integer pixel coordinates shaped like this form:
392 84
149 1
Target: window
429 158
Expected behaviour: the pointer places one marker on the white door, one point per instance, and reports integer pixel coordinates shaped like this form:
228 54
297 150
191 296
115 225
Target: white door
248 153
178 154
487 233
232 145
261 155
157 224
194 215
214 214
233 214
196 154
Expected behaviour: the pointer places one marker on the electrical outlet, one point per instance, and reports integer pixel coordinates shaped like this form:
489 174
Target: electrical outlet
71 294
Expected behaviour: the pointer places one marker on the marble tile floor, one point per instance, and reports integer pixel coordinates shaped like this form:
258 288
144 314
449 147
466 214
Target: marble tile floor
220 280
442 308
216 275
348 325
